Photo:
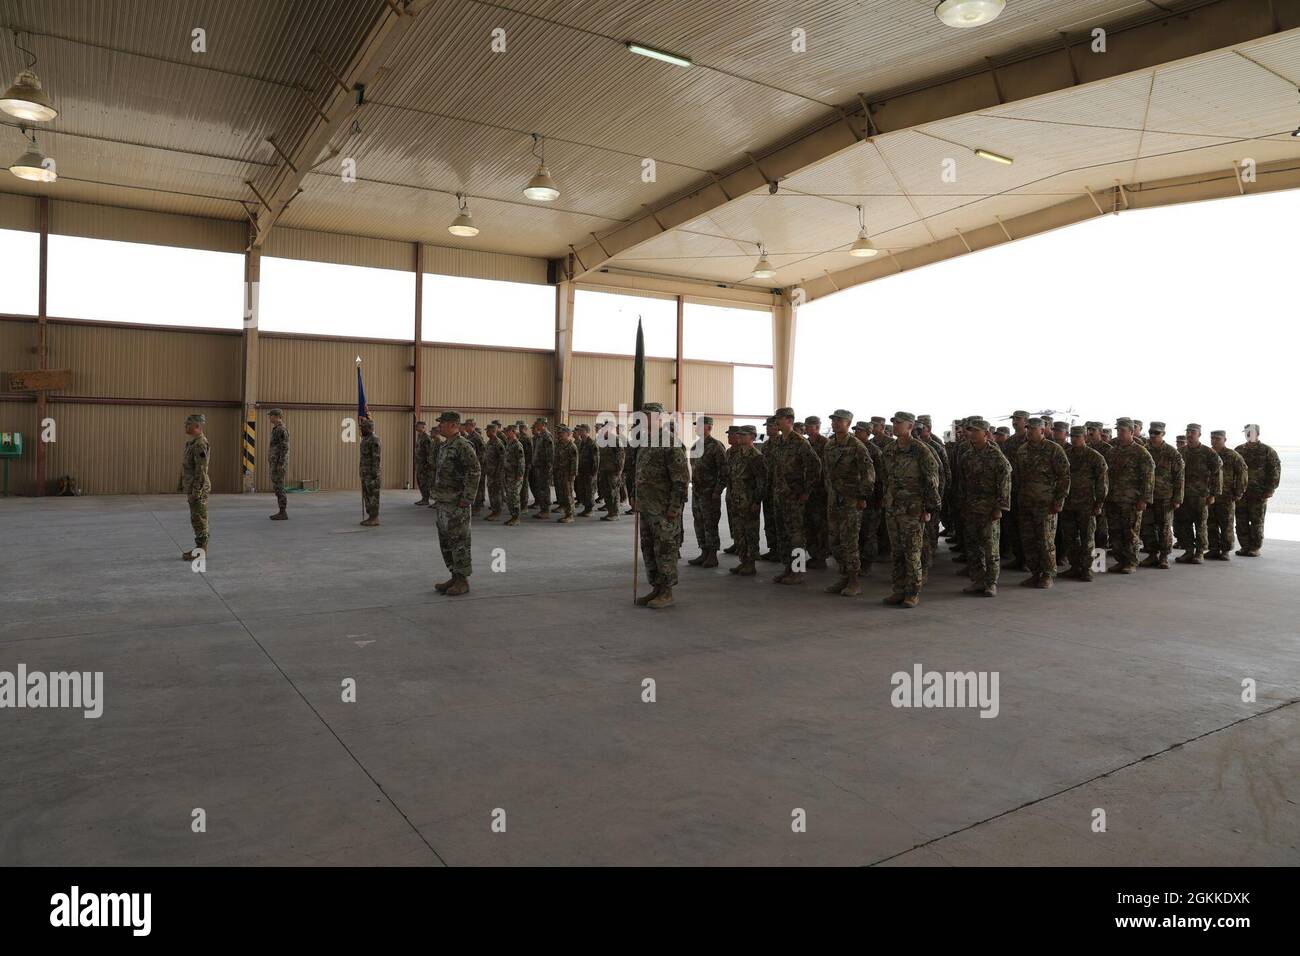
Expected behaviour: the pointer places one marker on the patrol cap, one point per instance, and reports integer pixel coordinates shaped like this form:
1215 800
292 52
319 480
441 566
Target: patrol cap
814 420
977 423
470 421
877 419
1123 423
843 414
1003 430
1047 419
652 407
923 420
862 426
1193 427
733 429
1080 430
1019 414
1156 428
750 430
708 420
510 428
276 412
770 420
1218 433
449 417
784 411
564 429
1092 424
519 421
1035 422
198 418
1062 425
540 421
904 417
424 423
1249 427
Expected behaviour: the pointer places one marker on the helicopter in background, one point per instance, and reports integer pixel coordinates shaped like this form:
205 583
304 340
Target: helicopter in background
1056 414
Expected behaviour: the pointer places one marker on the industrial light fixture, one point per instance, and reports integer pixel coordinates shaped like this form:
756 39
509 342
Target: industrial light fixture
31 166
763 269
964 14
26 99
994 157
1296 134
654 54
463 225
541 187
862 247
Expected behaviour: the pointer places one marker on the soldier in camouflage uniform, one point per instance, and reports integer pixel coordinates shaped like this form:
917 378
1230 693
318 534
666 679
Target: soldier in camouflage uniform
815 517
195 482
1131 474
1044 484
658 494
986 496
543 468
1138 436
708 479
456 477
910 475
279 462
872 514
565 471
613 457
746 485
850 481
423 466
370 471
771 522
1264 473
880 437
1089 486
1223 511
512 473
588 466
1019 436
1100 444
475 437
526 443
795 470
1158 519
1203 484
494 450
930 542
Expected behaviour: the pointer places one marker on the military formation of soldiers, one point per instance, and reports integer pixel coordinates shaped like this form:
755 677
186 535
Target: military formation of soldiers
1032 497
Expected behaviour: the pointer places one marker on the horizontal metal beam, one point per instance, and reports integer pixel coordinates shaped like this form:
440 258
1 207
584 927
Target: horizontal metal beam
1212 26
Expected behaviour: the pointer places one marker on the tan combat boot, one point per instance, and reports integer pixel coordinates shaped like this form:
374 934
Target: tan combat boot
441 587
746 570
791 577
493 515
459 585
912 600
370 522
514 520
662 599
893 599
280 515
710 559
851 587
1044 581
838 586
645 599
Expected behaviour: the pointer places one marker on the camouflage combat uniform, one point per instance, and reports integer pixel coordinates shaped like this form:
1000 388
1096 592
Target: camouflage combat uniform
1089 486
815 515
1223 512
873 513
371 473
565 470
1131 475
746 485
479 445
423 468
659 486
1011 522
526 443
456 478
1158 519
1264 472
196 485
1044 483
542 469
771 520
795 472
613 456
850 482
911 487
279 463
494 450
588 466
930 540
512 475
985 478
708 479
1202 478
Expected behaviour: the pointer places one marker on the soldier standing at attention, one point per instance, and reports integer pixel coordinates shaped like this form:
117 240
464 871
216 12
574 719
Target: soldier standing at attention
1019 436
423 469
850 481
613 456
1264 473
512 472
1089 485
1203 476
1223 511
733 440
746 485
1131 473
815 516
795 471
1137 433
525 442
911 480
771 523
879 438
539 477
195 482
371 472
455 480
565 471
658 492
279 462
986 496
930 542
588 466
708 479
475 438
1158 520
493 452
869 534
1044 484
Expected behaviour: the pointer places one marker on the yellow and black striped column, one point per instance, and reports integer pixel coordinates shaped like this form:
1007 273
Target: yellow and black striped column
250 446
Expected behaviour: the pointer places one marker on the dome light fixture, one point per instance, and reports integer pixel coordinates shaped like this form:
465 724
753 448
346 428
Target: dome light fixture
862 247
964 14
541 187
26 99
763 269
33 166
463 224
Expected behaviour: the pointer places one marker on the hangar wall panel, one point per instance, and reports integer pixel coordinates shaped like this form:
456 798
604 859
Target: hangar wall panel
17 345
93 221
602 382
116 361
285 243
475 264
707 389
483 379
19 212
317 451
300 369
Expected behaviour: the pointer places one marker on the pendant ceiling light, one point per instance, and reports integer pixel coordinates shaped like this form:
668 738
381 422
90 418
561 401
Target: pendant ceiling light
964 14
31 165
862 247
26 99
994 157
463 225
763 269
541 187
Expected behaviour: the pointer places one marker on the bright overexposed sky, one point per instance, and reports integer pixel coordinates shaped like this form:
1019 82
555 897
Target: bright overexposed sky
1178 314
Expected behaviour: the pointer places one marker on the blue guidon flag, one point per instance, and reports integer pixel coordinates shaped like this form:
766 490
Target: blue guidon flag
363 410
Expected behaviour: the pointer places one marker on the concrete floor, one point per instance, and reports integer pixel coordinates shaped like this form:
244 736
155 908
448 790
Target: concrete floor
222 691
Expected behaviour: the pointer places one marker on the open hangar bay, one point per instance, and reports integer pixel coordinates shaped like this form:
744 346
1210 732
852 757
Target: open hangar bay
317 152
